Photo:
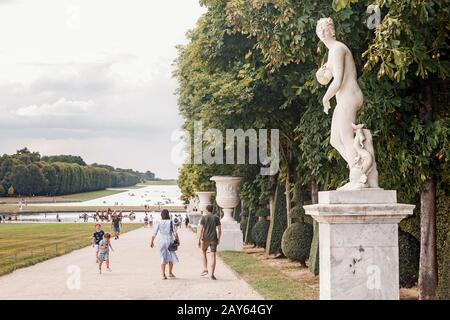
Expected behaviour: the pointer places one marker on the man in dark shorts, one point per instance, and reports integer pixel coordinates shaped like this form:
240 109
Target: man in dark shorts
116 224
210 233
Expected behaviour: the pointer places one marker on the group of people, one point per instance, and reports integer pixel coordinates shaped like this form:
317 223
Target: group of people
102 216
4 219
148 220
209 233
101 241
209 238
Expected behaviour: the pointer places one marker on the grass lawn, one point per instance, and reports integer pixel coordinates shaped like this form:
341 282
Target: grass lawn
168 182
84 196
23 245
138 186
267 280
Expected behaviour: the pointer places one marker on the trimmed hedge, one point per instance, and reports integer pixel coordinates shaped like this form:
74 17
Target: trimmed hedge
443 245
237 213
263 212
297 213
259 233
296 242
409 255
251 221
443 291
278 221
243 225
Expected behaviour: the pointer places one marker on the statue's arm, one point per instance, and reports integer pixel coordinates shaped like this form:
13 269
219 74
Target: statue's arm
337 61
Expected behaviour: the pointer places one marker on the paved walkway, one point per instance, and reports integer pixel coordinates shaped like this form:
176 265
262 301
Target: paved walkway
135 275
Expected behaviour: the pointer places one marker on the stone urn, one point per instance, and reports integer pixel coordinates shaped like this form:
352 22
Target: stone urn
193 214
227 195
204 198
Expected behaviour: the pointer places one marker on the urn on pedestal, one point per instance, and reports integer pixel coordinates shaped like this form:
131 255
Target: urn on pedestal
204 198
193 213
228 198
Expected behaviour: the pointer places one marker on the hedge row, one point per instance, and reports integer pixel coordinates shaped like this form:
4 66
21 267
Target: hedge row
278 221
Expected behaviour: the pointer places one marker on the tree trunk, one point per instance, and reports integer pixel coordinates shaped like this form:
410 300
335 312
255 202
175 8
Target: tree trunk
288 197
428 276
314 251
428 263
314 192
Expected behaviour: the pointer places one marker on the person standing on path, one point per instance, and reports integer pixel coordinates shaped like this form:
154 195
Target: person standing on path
168 232
210 233
146 221
116 224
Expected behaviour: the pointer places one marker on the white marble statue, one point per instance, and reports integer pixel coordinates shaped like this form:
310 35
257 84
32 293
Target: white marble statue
352 142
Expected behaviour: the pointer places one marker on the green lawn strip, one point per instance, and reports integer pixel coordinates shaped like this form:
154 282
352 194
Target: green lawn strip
138 186
267 280
168 182
85 196
22 245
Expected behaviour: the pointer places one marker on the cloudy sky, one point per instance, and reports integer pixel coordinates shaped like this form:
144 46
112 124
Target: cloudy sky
93 78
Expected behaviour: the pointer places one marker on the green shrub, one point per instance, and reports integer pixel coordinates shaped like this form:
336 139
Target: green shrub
443 245
296 242
243 224
237 213
263 212
443 291
251 221
409 255
259 233
278 221
297 213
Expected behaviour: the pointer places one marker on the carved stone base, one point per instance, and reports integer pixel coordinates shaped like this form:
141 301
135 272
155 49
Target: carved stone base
194 219
232 239
358 239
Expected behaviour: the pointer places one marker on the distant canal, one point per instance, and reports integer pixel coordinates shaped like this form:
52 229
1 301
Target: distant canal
154 195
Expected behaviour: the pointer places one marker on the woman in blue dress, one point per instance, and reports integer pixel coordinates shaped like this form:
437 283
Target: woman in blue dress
168 232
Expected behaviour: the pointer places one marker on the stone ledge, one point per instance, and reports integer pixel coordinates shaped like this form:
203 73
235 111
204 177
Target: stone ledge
359 213
363 196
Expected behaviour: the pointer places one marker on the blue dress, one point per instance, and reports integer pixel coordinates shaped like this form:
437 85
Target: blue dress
163 228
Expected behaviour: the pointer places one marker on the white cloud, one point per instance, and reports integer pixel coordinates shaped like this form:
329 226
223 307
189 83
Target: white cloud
60 108
104 90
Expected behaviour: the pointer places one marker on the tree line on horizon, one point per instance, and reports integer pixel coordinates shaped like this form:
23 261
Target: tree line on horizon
30 174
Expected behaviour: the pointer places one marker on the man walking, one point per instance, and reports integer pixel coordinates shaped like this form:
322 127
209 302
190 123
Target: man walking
210 233
116 224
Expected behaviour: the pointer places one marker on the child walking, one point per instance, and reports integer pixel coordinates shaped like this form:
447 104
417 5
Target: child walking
105 244
96 238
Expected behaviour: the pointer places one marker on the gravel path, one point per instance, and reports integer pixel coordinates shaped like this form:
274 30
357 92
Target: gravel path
135 275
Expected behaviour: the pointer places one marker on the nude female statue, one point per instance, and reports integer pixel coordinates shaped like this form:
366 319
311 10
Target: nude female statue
349 97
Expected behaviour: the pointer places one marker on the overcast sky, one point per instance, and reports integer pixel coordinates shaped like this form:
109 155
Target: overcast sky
93 78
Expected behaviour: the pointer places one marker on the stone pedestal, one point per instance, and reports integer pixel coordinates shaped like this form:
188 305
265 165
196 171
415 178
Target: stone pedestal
232 238
194 219
358 243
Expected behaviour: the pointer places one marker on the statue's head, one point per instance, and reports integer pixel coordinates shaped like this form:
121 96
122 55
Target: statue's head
325 29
